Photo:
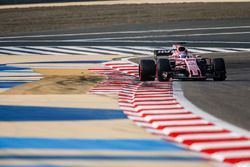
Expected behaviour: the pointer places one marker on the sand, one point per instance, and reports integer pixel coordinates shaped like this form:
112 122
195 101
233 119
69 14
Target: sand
59 81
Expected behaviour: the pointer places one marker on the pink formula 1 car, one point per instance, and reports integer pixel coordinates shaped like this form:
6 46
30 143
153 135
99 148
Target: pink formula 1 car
177 63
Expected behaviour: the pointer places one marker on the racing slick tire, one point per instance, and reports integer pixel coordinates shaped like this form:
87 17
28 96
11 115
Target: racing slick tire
219 69
163 65
147 69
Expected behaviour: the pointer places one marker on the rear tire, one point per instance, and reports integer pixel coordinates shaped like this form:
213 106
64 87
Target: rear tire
163 65
147 69
219 69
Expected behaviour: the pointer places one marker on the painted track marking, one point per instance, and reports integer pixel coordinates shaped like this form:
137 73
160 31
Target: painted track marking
100 50
130 32
166 117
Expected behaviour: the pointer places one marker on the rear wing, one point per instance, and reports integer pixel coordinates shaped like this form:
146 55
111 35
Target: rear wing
162 53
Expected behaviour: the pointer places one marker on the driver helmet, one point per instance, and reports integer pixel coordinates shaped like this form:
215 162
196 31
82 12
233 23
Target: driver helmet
183 52
183 55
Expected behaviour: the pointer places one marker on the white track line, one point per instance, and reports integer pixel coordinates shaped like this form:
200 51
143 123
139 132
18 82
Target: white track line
131 32
96 48
178 94
30 51
196 130
223 144
231 154
205 136
182 122
10 51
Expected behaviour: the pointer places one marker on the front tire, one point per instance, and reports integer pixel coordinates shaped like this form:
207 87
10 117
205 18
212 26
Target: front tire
163 66
147 69
219 69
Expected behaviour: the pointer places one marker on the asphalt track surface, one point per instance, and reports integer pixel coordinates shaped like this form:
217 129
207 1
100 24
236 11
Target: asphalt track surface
227 100
5 2
233 33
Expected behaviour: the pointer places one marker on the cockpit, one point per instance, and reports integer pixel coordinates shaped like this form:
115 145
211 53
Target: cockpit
182 51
